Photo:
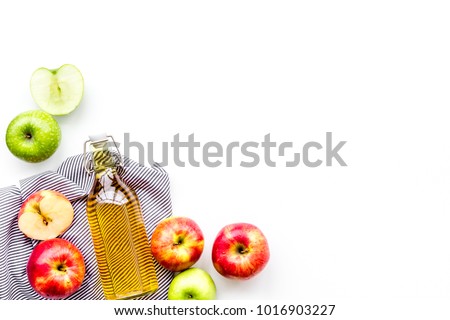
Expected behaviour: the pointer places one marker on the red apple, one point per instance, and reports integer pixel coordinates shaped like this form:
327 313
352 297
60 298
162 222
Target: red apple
240 251
55 268
45 215
177 243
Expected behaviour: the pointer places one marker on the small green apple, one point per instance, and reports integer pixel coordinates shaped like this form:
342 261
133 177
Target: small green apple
192 284
33 136
57 91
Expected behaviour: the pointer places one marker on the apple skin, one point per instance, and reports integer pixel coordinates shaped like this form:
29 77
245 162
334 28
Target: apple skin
240 251
177 243
33 136
192 284
56 268
45 214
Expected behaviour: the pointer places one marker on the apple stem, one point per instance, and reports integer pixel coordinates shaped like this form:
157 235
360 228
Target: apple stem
28 135
242 249
62 268
179 241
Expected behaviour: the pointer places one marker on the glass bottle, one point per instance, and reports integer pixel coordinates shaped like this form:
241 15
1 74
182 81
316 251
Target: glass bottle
121 244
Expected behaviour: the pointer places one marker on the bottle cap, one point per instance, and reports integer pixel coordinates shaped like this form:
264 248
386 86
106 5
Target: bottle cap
94 139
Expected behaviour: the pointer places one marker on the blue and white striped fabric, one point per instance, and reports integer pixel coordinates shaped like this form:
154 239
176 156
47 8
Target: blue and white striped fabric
151 186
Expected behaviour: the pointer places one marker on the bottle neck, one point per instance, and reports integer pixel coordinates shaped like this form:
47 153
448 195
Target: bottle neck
102 157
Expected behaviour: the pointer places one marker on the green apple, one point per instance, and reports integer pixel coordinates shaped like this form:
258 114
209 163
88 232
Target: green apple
33 136
57 91
192 284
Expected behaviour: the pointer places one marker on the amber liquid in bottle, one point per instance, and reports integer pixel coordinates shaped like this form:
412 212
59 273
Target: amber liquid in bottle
121 244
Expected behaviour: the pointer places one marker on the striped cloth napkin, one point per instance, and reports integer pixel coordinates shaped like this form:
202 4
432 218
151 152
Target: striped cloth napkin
71 179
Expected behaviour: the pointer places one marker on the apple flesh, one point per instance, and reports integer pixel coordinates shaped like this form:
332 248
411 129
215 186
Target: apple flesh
45 214
33 136
56 268
177 243
192 284
240 251
57 91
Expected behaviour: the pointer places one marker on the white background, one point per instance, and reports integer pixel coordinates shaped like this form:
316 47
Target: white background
376 74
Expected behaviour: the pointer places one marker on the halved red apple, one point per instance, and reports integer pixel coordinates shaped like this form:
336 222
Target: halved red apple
45 215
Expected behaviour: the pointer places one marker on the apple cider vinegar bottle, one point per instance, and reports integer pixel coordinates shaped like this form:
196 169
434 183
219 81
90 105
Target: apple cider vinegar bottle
121 244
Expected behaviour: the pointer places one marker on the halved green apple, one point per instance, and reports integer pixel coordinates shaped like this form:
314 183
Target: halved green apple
57 91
